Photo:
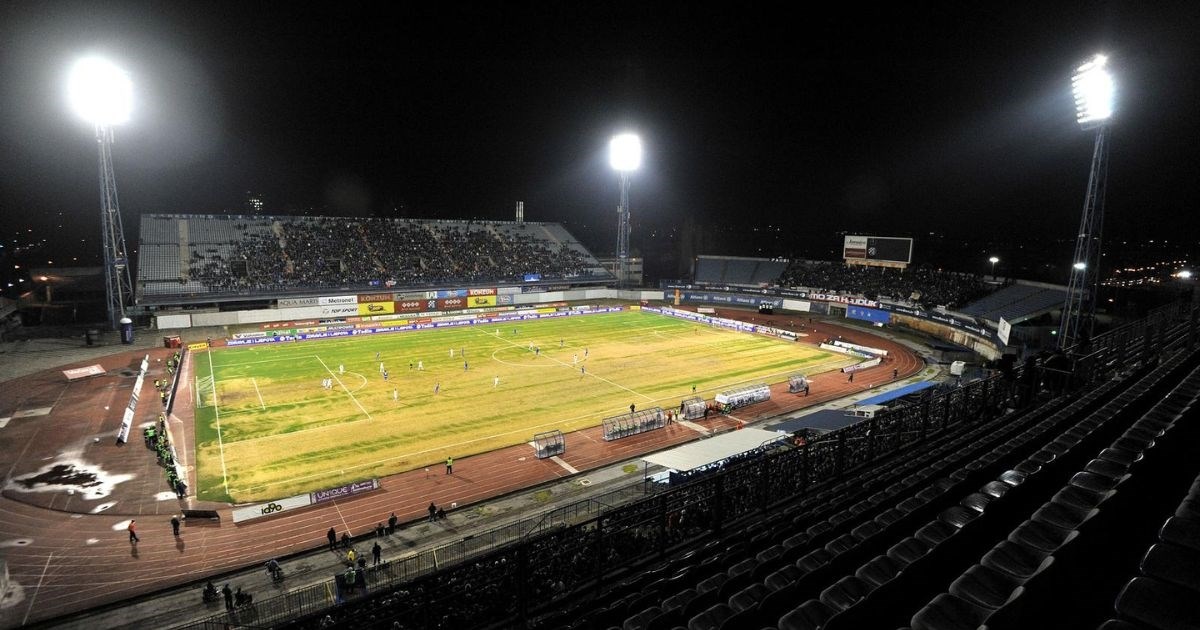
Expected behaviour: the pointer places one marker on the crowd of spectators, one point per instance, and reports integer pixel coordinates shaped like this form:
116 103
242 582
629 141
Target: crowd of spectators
325 252
921 284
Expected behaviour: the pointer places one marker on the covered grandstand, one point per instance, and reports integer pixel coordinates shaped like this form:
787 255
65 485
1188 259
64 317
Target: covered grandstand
190 258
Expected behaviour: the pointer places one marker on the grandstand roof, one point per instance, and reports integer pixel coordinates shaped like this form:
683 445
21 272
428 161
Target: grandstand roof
712 450
887 397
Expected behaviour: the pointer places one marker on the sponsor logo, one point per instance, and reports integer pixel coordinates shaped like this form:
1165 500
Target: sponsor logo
271 508
483 300
375 297
338 299
474 292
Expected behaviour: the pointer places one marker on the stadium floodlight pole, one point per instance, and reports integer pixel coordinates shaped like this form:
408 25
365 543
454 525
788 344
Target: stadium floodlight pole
102 94
993 260
625 156
1094 97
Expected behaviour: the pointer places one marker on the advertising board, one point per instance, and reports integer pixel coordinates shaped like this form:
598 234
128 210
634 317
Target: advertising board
374 297
376 308
481 301
337 299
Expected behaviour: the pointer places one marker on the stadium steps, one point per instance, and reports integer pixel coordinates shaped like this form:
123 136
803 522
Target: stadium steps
934 546
1091 529
935 551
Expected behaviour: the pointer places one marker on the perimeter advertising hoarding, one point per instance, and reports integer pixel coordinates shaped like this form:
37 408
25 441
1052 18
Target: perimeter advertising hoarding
332 300
479 301
408 306
297 302
877 248
867 314
271 508
451 303
474 292
341 309
376 308
375 297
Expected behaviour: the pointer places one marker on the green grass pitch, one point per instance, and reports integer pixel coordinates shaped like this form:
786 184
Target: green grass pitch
266 428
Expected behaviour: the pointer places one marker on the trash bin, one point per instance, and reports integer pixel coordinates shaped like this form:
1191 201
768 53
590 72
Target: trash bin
126 330
91 336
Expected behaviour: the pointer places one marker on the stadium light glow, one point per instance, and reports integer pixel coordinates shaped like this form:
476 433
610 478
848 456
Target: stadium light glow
993 260
100 92
625 152
1094 92
1080 266
1184 275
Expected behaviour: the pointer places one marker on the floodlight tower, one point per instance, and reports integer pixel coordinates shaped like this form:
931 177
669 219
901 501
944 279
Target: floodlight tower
1094 95
625 156
102 94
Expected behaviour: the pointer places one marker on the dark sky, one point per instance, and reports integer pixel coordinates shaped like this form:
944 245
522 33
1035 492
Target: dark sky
953 118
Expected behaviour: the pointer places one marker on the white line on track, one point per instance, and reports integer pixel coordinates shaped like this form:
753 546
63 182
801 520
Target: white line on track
348 392
38 589
260 400
217 410
567 365
557 460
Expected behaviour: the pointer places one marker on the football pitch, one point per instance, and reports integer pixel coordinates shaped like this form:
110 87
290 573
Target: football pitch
267 427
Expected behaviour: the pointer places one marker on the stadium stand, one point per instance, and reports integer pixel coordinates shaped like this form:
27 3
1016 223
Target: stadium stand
214 256
921 285
979 504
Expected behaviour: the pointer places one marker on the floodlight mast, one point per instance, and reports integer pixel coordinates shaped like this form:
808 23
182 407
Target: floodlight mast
101 93
625 156
1094 94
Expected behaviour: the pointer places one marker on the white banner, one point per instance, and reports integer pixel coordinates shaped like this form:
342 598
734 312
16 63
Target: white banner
1003 331
271 508
338 299
867 349
340 310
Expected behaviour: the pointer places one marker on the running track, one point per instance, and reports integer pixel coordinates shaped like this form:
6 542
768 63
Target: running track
67 559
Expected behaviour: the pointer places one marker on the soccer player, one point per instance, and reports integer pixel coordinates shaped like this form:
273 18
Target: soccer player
437 388
395 394
421 366
341 369
495 382
464 366
575 358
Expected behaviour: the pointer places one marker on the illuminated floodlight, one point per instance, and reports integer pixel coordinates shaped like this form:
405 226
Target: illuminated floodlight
1080 266
1184 275
1094 92
100 92
993 260
625 152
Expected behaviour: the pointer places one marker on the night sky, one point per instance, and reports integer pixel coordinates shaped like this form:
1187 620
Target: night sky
951 118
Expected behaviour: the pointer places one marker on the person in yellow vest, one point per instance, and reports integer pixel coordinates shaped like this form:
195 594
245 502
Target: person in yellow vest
350 555
449 465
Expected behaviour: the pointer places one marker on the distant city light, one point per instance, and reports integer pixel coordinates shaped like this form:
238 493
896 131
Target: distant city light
625 152
1094 92
100 92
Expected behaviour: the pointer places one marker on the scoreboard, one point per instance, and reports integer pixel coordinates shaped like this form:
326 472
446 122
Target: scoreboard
880 248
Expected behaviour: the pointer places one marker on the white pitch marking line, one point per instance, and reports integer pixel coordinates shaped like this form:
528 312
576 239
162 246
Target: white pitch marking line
557 460
260 400
565 364
348 392
217 410
38 589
